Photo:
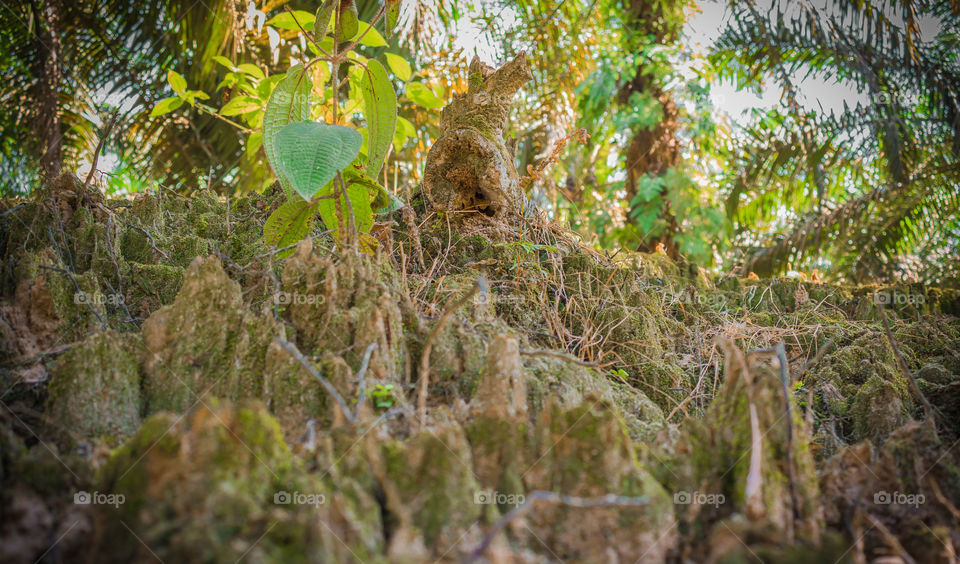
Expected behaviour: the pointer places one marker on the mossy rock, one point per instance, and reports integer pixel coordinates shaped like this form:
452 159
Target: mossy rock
344 306
849 376
95 388
878 409
204 342
152 285
430 485
184 248
713 455
554 379
208 343
218 485
500 450
585 451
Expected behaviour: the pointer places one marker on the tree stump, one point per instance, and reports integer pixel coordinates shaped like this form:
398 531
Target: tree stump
470 168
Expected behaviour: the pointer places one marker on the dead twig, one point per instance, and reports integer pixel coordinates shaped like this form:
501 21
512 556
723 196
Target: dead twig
927 408
96 152
86 302
361 376
323 381
890 538
153 243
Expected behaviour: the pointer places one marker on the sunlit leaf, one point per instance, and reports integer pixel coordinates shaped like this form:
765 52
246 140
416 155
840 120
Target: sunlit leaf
393 14
252 70
399 66
423 96
404 131
288 224
177 82
224 61
349 24
166 106
285 20
322 22
240 105
371 38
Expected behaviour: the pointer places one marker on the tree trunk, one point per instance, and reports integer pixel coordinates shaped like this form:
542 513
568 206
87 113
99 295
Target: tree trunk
653 151
50 127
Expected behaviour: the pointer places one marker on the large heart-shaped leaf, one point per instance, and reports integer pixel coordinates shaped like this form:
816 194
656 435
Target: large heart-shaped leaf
380 110
311 153
289 102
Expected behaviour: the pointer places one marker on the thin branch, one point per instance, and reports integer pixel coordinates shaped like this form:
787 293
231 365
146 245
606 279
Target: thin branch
96 152
927 408
323 381
361 376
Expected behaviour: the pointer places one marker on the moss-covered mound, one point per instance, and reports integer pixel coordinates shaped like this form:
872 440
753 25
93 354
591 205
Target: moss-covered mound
173 389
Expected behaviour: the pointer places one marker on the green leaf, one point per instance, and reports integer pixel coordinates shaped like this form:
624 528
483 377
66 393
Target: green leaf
252 70
290 101
322 22
370 38
311 153
266 86
288 224
423 96
404 131
254 142
358 208
240 105
399 66
177 82
380 110
228 81
285 20
393 14
349 24
377 196
224 61
648 188
166 106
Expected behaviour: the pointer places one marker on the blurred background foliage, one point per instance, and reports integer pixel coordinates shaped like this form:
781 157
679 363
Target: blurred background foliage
867 190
